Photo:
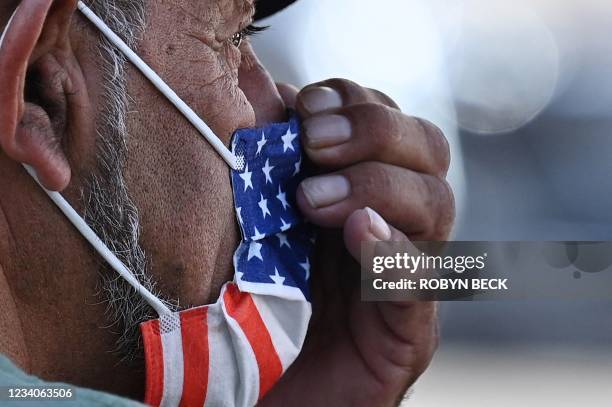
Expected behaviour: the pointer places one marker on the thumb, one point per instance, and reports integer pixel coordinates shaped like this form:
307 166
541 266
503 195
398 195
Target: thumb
288 94
366 225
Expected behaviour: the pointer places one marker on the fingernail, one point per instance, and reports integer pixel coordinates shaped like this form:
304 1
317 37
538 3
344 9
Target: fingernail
326 190
326 131
320 98
378 227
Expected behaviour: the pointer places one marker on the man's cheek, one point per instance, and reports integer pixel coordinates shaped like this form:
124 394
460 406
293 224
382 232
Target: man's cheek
210 87
222 105
205 78
184 199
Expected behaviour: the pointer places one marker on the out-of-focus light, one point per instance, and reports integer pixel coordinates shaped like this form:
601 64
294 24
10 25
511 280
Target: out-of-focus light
583 29
391 45
394 47
504 68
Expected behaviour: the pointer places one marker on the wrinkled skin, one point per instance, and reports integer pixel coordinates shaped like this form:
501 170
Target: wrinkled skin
355 354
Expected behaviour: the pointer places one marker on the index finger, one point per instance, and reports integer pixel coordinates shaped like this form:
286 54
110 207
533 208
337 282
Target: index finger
335 93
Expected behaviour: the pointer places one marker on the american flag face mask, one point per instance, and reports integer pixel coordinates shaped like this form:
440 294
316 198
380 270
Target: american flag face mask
232 352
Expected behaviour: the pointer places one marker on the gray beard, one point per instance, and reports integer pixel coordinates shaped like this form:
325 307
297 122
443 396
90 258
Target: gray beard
108 208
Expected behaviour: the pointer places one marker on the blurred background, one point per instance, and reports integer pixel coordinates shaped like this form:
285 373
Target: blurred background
523 91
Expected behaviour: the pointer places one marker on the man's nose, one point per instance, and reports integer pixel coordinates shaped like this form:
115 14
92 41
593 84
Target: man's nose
260 89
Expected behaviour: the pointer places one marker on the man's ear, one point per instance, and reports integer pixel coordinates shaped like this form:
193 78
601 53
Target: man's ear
35 88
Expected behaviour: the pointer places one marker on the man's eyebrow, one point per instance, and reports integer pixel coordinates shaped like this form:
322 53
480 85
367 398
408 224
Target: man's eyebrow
246 7
243 8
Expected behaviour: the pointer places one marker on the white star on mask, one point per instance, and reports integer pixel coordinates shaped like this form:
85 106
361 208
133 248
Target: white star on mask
261 143
246 176
267 169
306 267
283 240
285 226
255 251
263 205
277 278
282 197
288 140
239 214
257 235
298 166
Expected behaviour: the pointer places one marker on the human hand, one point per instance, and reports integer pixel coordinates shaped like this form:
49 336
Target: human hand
371 156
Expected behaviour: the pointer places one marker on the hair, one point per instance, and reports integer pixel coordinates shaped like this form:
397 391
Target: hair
108 208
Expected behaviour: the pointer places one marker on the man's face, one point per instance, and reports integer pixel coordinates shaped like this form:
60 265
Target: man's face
145 179
151 173
178 183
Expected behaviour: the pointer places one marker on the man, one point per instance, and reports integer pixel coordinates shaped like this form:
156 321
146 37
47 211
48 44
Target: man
148 184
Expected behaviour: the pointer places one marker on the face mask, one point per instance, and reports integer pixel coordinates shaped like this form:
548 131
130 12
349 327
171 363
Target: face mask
232 352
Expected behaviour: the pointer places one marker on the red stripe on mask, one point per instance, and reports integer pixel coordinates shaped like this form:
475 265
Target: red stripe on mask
154 356
241 307
196 358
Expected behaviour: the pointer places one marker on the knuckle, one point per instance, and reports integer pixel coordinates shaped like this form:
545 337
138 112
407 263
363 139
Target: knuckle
446 210
429 209
375 181
341 83
381 125
440 204
437 143
383 98
348 89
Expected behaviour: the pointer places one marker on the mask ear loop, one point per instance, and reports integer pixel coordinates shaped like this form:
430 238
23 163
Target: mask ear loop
90 235
158 82
100 247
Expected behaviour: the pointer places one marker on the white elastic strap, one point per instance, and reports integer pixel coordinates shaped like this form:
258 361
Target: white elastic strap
90 235
162 87
100 247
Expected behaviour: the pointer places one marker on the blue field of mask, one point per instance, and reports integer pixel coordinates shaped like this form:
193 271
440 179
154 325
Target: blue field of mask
274 255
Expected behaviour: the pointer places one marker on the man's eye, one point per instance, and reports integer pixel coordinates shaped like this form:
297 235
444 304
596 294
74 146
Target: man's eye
247 32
